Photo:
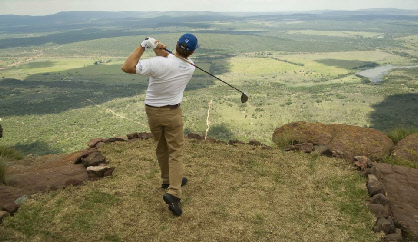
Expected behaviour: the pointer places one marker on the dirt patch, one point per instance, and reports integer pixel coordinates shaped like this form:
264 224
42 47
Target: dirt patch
40 174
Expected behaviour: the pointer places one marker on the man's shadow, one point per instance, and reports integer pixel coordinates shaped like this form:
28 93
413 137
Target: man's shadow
396 111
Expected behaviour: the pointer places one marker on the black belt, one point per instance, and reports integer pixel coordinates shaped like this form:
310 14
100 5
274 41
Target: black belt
166 106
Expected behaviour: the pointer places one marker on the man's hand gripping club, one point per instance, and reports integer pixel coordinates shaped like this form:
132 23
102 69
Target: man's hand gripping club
130 64
159 48
149 43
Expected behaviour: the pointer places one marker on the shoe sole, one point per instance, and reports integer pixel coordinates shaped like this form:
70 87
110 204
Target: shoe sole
167 199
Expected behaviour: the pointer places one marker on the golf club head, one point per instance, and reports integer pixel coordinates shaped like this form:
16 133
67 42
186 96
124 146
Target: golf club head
244 98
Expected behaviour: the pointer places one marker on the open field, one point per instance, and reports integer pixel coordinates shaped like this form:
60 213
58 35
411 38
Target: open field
60 88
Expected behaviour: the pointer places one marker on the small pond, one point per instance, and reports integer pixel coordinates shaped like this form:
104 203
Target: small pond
376 74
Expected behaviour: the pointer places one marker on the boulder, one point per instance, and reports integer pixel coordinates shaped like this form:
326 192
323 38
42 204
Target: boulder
303 132
21 200
361 162
407 148
76 157
93 159
109 172
397 236
384 225
367 171
132 135
401 186
10 208
374 186
379 211
380 199
345 141
357 141
102 170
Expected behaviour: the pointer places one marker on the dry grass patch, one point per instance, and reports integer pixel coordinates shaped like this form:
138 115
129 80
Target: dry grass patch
238 193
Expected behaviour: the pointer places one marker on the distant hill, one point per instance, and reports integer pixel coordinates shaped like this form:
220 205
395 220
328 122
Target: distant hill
73 20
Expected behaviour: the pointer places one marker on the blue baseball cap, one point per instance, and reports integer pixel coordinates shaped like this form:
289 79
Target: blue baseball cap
188 42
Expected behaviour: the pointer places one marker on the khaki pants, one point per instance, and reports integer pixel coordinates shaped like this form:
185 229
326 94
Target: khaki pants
166 126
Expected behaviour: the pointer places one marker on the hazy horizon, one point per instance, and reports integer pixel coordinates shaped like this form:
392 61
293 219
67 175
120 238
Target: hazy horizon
48 7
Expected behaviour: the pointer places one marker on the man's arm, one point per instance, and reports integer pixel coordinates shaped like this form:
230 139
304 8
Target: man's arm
130 64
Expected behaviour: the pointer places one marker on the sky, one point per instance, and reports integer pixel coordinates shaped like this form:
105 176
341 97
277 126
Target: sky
45 7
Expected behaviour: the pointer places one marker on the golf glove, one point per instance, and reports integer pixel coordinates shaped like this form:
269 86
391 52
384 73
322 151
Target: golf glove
149 43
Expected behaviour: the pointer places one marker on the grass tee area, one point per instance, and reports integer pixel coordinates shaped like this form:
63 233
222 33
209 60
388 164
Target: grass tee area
241 193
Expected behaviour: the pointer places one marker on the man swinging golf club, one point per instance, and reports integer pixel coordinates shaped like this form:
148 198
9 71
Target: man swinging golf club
168 77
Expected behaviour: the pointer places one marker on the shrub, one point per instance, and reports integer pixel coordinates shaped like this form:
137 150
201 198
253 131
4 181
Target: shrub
7 152
284 140
220 132
397 134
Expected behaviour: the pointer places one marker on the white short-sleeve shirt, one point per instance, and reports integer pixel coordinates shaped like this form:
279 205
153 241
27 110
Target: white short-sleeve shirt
168 79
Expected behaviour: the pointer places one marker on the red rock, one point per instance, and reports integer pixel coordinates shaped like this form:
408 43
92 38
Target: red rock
109 172
76 157
94 159
92 143
362 162
407 148
11 208
401 185
378 210
385 225
132 135
345 141
95 172
303 132
380 199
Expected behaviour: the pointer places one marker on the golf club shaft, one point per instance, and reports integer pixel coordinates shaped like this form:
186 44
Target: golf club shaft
205 71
